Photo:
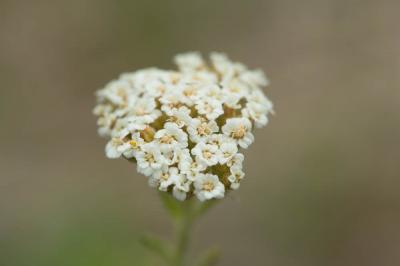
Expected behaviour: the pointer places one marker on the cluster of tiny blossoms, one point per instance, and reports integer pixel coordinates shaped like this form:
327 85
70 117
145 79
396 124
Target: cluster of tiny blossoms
184 128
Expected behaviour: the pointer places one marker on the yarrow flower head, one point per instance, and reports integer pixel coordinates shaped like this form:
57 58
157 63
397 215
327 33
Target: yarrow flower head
184 129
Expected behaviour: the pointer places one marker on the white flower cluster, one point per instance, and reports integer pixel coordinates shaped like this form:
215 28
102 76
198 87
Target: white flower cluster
184 128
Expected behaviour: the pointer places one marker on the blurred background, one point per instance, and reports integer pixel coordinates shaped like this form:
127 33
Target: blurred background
322 181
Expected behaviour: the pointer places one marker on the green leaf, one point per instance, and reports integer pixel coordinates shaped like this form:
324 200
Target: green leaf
209 258
173 206
156 245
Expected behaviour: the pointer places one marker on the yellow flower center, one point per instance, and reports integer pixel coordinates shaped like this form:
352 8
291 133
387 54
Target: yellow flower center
133 144
239 132
167 139
190 91
149 157
203 130
207 154
208 186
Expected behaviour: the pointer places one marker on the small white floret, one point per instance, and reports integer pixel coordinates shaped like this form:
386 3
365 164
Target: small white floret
239 129
201 130
149 158
209 107
181 187
207 154
236 176
228 150
171 136
208 186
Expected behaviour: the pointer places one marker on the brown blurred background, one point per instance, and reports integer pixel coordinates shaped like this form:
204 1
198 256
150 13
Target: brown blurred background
322 184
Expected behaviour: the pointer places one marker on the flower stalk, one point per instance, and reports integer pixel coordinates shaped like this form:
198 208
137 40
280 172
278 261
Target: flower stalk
183 229
184 215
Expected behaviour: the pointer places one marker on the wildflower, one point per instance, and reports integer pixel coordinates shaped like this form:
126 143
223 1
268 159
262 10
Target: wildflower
149 158
207 154
181 187
218 139
239 129
235 177
116 92
171 102
132 146
236 161
210 107
181 116
200 129
171 135
184 129
189 167
255 112
113 148
165 177
208 186
255 78
228 150
189 62
145 111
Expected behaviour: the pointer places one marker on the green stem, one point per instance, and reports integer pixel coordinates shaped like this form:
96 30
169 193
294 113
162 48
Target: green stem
185 214
183 228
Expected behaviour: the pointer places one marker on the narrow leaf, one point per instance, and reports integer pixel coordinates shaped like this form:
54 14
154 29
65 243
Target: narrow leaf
155 245
210 258
173 206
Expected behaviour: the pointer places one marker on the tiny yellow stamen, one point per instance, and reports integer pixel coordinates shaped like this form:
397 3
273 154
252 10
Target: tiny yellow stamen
239 132
208 186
